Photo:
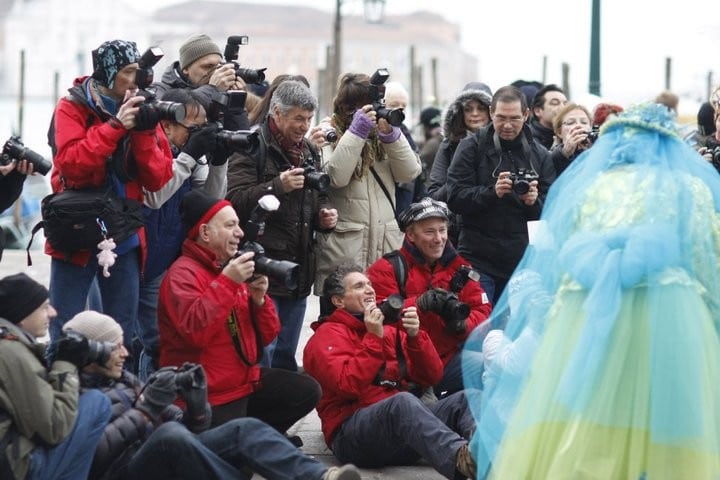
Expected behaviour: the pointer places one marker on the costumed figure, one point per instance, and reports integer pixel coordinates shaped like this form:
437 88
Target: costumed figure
608 368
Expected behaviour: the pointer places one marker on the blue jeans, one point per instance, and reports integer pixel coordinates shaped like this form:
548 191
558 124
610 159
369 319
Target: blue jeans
147 326
71 458
231 450
452 380
70 285
400 430
281 352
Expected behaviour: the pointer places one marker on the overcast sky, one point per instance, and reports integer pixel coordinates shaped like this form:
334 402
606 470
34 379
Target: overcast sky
511 38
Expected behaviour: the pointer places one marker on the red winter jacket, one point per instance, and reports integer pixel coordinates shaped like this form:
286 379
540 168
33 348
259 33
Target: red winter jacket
344 358
195 302
83 151
420 278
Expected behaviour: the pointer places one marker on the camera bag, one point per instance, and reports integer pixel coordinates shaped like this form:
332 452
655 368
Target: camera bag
75 220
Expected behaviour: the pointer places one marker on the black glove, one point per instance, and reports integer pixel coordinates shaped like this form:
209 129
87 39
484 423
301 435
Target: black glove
432 301
147 117
159 392
219 155
201 141
192 386
74 348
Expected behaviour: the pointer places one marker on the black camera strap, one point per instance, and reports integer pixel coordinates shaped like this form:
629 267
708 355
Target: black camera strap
385 190
396 384
233 328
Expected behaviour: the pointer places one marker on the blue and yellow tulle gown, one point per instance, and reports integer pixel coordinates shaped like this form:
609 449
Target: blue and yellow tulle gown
622 379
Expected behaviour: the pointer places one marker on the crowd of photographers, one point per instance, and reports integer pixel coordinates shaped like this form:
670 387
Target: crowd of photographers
223 229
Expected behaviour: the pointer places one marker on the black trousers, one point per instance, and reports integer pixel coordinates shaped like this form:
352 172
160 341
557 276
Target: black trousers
284 398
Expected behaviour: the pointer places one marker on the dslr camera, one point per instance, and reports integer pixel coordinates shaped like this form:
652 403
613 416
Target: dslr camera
447 305
521 179
391 308
153 110
98 352
715 152
223 106
232 47
319 181
282 271
15 149
394 116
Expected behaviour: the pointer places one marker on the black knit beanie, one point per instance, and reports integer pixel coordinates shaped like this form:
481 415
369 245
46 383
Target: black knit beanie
20 296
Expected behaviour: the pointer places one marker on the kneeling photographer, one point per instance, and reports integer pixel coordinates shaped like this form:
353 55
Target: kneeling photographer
286 164
106 138
432 276
148 436
574 133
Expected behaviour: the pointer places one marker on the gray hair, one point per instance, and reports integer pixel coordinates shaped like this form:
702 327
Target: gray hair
290 94
334 283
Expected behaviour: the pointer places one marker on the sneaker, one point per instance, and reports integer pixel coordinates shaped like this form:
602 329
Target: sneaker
464 463
295 440
346 472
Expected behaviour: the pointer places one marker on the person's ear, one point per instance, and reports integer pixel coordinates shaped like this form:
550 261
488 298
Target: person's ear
337 301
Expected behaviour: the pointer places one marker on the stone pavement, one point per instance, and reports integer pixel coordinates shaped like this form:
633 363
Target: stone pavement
308 428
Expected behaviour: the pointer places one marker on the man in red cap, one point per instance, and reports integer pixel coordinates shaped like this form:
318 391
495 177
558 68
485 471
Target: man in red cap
213 310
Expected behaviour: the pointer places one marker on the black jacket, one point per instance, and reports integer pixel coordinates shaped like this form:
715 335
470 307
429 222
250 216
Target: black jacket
289 231
494 230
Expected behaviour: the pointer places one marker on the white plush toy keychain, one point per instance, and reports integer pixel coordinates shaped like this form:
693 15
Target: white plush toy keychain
106 257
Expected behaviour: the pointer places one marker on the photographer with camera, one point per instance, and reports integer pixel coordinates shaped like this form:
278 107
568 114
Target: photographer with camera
575 133
105 137
369 158
148 436
365 363
199 163
428 272
47 427
201 68
213 310
287 164
497 181
711 149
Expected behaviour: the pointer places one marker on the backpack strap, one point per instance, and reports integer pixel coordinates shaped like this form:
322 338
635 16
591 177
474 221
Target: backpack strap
399 267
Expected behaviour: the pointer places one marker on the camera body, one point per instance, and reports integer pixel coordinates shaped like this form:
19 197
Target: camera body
319 181
329 134
153 110
391 308
232 47
715 152
592 135
283 271
394 116
521 179
98 352
15 149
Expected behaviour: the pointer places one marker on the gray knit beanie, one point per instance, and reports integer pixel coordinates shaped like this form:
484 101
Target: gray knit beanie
95 326
195 47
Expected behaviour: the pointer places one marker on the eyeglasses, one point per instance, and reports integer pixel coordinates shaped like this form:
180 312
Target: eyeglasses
574 121
504 119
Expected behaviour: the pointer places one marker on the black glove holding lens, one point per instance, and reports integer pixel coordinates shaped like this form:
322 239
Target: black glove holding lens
74 348
447 305
201 141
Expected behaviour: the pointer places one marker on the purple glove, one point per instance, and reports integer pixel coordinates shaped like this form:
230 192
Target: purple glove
361 125
389 137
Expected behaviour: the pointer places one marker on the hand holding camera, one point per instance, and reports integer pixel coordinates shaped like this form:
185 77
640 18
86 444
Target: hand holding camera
200 142
192 386
223 77
363 121
16 155
447 305
293 179
159 392
127 113
81 351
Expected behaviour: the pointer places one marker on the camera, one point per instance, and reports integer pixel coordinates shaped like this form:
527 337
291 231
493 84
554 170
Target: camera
394 116
232 47
153 110
282 271
319 181
715 152
224 107
448 306
15 149
329 134
592 135
521 180
244 140
98 352
391 308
